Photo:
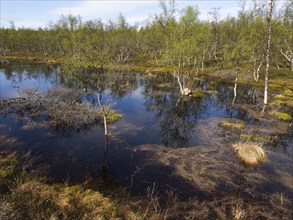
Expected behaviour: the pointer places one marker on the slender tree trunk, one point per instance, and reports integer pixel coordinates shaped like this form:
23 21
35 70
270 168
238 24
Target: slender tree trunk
268 52
235 90
156 58
254 95
194 62
104 114
257 69
180 85
289 56
202 62
105 157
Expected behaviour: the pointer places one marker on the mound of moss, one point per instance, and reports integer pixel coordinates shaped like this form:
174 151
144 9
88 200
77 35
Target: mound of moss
233 125
255 138
197 94
113 117
212 91
286 98
281 116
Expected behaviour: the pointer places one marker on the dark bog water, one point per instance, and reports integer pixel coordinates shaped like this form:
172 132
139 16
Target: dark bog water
164 139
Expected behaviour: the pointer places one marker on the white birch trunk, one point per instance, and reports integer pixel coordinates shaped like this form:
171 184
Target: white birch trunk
268 52
104 114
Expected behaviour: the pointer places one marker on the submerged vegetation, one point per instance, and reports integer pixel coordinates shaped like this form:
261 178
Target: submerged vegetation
59 107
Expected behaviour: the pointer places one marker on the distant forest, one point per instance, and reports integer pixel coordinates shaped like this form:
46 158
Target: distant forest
172 38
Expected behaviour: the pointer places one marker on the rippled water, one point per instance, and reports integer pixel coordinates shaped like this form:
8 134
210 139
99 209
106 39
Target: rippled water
163 138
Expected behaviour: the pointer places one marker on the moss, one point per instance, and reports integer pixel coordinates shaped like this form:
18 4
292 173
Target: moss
288 92
165 85
275 86
281 116
279 96
254 138
212 91
277 102
285 98
255 83
113 117
233 125
7 165
212 83
36 58
226 81
197 94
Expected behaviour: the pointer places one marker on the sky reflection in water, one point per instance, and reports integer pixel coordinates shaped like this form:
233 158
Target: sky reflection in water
153 113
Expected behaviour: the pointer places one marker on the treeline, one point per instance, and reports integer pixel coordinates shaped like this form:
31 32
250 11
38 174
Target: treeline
175 38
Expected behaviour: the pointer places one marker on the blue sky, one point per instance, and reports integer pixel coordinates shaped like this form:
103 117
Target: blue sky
36 13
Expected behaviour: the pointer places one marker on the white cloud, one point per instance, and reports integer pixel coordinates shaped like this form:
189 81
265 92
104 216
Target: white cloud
108 9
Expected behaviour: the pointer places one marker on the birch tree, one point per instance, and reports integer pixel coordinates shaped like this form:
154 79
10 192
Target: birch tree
271 7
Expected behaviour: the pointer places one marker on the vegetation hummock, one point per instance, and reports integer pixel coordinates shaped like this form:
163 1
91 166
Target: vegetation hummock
250 154
24 196
197 94
255 138
112 116
59 107
285 98
281 116
233 125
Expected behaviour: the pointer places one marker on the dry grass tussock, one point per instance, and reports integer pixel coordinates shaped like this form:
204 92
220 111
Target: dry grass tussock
238 212
24 196
36 200
250 154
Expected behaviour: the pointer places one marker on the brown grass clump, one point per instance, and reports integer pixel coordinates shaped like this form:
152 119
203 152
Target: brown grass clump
37 200
238 212
24 196
250 154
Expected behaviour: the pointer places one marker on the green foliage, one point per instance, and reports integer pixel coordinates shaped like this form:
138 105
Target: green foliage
185 44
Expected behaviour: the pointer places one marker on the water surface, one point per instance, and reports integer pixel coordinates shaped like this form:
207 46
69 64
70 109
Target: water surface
175 142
